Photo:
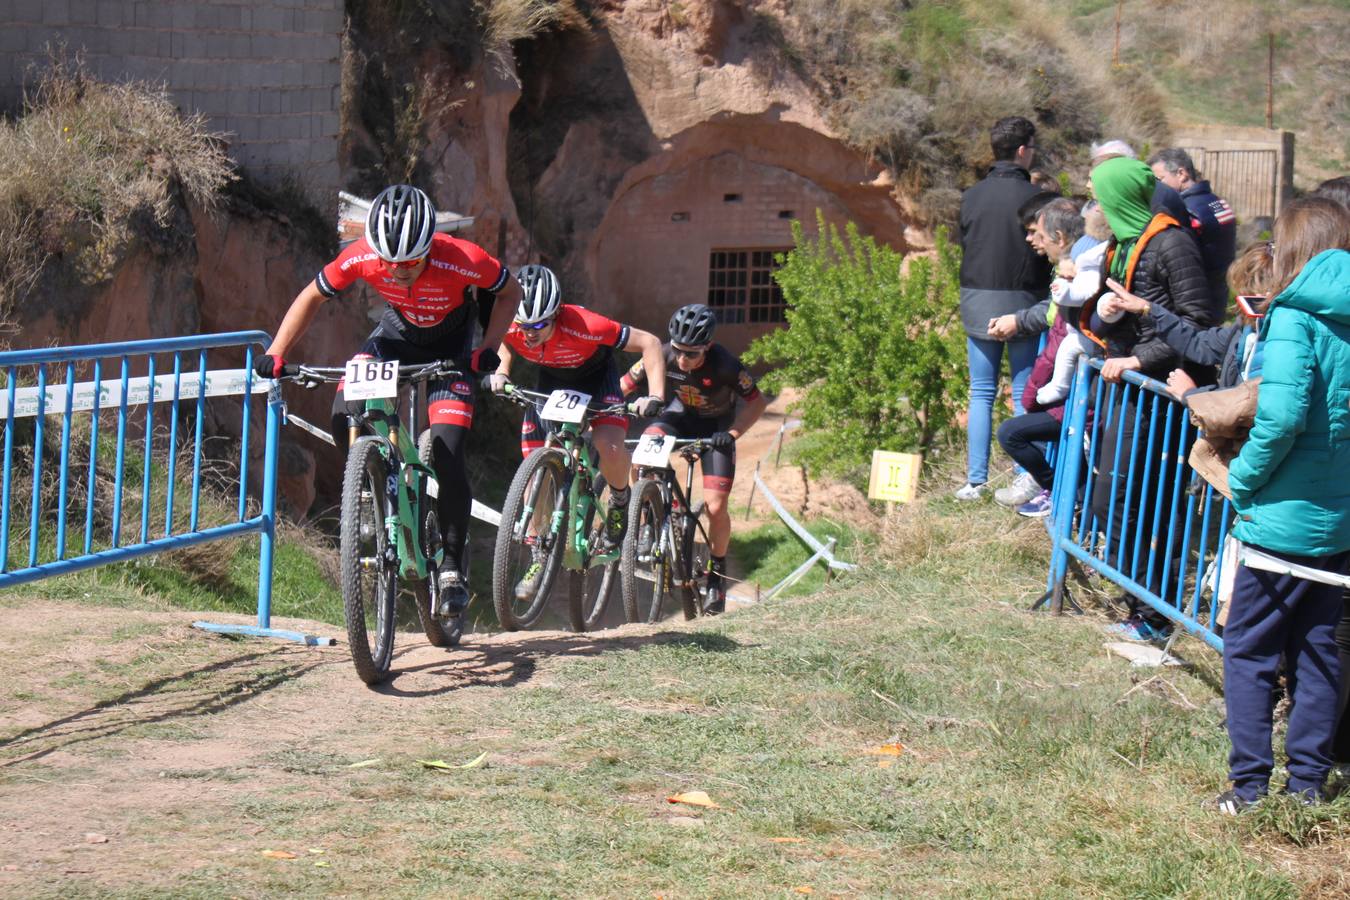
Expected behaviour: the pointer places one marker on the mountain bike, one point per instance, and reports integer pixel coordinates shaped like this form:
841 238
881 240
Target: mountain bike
552 519
390 531
667 546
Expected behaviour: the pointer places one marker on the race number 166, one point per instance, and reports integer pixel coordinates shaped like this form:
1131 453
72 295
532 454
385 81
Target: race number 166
366 379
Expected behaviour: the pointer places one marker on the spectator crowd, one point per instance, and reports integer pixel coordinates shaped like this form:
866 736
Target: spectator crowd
1146 277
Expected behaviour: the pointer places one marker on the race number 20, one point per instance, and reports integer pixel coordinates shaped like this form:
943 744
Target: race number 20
565 406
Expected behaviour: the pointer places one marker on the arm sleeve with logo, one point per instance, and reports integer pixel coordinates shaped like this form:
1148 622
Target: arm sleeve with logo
341 272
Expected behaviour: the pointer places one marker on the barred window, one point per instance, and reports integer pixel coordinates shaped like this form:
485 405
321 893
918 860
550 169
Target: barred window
741 286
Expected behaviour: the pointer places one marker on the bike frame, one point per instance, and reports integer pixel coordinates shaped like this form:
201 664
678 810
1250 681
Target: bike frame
568 438
406 489
671 490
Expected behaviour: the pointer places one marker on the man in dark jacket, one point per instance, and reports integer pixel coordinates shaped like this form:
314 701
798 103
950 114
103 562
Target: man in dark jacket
1212 220
1000 274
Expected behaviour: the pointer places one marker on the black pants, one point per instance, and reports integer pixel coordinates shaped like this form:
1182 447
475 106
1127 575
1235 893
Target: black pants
1018 437
1273 616
450 413
1340 747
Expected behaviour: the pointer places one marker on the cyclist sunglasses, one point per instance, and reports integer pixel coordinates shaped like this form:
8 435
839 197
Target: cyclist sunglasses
534 326
406 264
690 352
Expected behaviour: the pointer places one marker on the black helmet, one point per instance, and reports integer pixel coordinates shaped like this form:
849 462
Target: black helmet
400 223
692 325
540 294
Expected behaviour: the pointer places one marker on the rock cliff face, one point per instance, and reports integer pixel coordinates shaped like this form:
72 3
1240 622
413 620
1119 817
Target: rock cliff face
623 151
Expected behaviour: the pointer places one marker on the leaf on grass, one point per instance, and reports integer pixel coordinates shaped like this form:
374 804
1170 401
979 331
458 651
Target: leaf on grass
693 798
365 763
321 864
442 764
93 837
279 854
887 750
803 889
788 840
316 851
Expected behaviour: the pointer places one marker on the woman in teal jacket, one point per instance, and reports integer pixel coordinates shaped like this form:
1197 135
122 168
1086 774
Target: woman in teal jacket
1292 497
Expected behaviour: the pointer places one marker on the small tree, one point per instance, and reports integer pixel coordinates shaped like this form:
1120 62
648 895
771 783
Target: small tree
876 346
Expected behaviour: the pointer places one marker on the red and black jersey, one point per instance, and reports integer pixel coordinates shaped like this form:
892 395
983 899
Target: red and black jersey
580 343
710 391
435 305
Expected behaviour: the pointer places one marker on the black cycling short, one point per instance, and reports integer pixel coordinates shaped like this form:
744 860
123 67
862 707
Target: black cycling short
719 466
449 401
603 386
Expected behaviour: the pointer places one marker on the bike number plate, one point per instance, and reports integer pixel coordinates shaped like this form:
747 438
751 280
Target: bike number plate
370 379
565 406
654 450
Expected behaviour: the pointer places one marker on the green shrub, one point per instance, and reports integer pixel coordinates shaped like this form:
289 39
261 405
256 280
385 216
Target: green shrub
86 165
874 342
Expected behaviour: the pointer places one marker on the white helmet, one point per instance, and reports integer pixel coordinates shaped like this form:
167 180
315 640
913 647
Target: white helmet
400 223
541 294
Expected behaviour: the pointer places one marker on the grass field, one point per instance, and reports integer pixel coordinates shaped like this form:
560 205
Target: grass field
1027 762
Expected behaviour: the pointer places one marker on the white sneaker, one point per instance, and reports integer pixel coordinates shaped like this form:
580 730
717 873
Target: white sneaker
1023 489
970 492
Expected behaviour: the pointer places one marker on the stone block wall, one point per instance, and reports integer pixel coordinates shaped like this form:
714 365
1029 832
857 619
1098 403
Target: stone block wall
266 73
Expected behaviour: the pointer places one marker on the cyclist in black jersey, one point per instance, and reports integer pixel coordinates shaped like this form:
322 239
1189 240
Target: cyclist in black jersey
706 379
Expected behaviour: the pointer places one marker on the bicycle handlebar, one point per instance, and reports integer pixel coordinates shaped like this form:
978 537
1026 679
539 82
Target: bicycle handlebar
525 397
313 376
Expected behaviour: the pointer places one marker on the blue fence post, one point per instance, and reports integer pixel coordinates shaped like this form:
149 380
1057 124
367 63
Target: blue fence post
1065 491
269 507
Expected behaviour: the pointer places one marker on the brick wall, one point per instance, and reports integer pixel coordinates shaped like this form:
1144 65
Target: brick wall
265 72
654 245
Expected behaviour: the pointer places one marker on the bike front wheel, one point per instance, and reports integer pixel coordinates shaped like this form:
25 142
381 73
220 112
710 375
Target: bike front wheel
695 557
369 574
644 567
530 539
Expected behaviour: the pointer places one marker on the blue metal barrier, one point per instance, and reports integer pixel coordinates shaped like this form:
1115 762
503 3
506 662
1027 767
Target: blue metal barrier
1125 503
40 401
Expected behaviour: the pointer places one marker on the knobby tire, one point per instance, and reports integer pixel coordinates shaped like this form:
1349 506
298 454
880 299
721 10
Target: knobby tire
550 466
646 511
367 590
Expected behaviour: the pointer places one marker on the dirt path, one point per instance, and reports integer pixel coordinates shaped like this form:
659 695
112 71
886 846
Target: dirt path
126 734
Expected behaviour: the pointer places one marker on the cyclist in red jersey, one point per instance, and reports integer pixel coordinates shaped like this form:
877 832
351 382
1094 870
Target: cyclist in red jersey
706 379
425 279
574 348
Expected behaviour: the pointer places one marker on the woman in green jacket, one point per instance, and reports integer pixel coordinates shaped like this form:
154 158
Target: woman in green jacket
1292 499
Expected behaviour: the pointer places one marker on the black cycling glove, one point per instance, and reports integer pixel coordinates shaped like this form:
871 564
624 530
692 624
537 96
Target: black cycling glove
721 440
268 366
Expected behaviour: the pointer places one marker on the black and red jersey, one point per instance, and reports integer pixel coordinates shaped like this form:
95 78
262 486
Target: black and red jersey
435 304
710 391
581 341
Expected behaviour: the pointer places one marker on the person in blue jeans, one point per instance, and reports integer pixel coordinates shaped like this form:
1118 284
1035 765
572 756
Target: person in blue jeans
1292 501
1000 274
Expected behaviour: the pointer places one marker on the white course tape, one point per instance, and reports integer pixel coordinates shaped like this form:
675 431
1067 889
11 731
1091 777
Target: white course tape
798 529
219 383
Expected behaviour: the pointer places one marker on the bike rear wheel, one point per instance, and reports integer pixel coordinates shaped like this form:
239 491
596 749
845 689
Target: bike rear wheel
644 565
369 572
589 590
439 632
527 537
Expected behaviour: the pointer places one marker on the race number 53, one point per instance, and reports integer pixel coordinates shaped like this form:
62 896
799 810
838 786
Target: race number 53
653 450
368 379
565 406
